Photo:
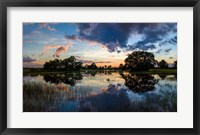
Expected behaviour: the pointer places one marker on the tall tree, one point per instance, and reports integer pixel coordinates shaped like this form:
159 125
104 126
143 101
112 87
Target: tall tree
93 66
140 61
121 66
163 64
175 64
67 64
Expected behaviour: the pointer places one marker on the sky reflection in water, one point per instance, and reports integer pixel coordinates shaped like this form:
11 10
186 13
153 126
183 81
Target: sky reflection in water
100 92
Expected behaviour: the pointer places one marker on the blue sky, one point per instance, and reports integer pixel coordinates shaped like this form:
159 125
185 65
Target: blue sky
102 43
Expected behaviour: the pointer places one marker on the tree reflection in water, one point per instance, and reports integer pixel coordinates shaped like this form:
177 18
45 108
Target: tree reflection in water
162 76
127 92
139 82
70 78
67 78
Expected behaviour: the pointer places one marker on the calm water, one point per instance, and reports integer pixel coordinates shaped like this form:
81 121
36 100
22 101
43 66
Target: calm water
100 92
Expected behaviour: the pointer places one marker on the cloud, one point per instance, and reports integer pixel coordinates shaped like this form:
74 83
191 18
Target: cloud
172 41
28 59
34 64
46 26
51 28
114 35
49 47
72 37
142 47
80 59
168 50
43 25
41 38
158 51
103 62
59 49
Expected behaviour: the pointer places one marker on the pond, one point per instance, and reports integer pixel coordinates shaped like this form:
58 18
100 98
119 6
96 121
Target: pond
105 91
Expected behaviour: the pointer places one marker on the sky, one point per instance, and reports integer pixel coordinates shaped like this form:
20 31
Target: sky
102 43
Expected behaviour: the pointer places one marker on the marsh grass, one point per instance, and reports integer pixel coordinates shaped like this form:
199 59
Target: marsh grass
39 96
94 94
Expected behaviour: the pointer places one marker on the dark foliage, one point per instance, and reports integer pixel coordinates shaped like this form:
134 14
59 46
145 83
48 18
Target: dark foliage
140 61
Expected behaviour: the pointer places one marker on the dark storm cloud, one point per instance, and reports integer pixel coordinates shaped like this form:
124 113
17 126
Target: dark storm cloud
172 41
28 59
114 35
143 47
110 34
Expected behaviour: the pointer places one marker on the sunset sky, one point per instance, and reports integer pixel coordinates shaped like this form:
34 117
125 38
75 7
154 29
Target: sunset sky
102 43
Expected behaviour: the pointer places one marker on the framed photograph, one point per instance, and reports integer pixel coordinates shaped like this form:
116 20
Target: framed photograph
99 67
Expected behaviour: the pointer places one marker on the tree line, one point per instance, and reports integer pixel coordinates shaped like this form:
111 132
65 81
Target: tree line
67 64
71 64
136 61
143 61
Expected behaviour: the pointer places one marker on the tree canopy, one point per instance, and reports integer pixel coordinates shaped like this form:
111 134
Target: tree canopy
70 63
163 64
140 61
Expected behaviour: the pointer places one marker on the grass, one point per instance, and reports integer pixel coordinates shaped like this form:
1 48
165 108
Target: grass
39 96
40 71
159 71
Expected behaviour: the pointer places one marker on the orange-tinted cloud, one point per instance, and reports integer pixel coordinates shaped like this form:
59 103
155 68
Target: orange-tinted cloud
59 49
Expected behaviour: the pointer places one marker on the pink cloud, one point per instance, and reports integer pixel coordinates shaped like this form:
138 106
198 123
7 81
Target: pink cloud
92 43
104 46
59 49
49 47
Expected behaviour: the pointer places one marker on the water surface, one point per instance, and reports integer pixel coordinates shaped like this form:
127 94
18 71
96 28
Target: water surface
100 92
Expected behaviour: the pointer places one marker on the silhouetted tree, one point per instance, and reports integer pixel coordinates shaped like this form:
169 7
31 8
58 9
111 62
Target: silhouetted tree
162 76
46 65
86 66
139 82
78 65
121 66
140 61
66 64
57 64
175 64
163 64
93 66
67 78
